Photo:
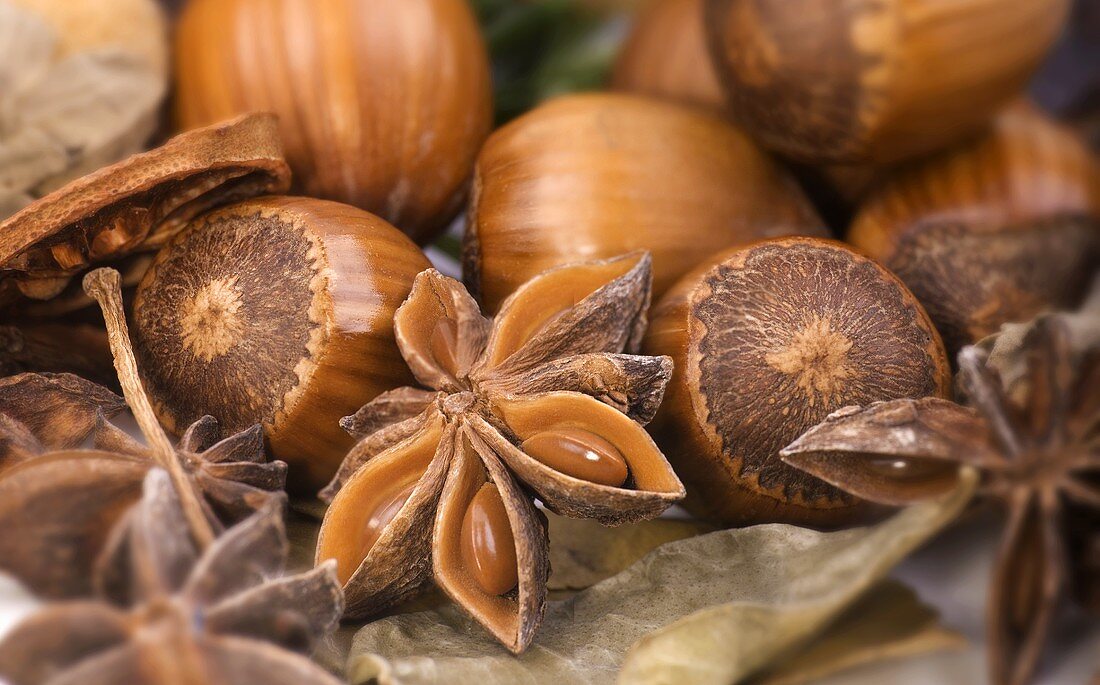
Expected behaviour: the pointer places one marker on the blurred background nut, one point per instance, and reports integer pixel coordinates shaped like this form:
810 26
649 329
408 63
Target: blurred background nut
665 55
382 104
992 232
873 80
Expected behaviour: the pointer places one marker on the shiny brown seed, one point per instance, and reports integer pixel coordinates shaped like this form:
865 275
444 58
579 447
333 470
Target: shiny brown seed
384 513
580 454
488 549
443 343
911 470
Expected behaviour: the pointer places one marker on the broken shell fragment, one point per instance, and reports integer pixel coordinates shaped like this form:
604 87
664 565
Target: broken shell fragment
276 311
137 204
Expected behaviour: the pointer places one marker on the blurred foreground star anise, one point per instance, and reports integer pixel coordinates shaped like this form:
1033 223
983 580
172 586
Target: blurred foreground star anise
223 616
539 402
1038 452
59 505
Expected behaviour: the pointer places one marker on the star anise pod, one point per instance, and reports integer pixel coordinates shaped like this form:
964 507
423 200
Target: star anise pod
58 504
1039 456
225 615
539 402
45 411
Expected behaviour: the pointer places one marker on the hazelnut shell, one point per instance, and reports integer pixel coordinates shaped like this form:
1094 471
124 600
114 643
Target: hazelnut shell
595 176
992 232
767 340
276 311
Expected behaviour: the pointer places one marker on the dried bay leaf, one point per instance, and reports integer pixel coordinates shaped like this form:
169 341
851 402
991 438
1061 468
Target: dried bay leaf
716 608
583 552
889 622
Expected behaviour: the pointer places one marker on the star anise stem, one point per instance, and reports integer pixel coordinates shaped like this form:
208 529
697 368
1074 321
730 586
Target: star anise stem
104 285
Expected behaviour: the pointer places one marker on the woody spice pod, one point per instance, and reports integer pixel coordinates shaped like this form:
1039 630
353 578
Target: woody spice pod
1039 455
221 613
875 80
276 311
382 104
136 205
541 401
59 504
665 55
766 341
599 175
993 232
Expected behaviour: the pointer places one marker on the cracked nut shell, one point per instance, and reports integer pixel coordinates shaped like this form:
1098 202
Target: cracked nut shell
137 204
768 340
276 311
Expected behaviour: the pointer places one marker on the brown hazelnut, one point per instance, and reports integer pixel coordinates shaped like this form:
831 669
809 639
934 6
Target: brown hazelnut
767 340
665 55
276 311
875 80
992 232
595 176
383 104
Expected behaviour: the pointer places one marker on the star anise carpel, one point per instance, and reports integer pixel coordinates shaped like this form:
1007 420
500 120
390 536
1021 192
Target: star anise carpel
218 616
60 504
1039 455
543 401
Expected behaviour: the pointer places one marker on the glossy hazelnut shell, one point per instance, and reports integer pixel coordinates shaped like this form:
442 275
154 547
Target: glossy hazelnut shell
875 81
276 311
598 175
729 400
383 104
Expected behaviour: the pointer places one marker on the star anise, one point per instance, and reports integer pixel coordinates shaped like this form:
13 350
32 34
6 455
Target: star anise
59 504
223 616
539 402
1039 455
45 411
